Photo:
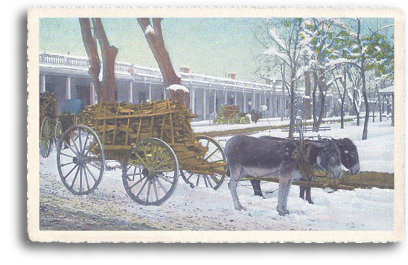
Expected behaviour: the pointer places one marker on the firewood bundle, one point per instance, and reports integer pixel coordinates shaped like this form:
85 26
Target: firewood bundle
121 125
230 111
48 104
230 114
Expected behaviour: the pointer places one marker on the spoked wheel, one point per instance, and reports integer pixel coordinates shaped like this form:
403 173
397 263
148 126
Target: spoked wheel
80 160
47 137
58 134
214 154
150 172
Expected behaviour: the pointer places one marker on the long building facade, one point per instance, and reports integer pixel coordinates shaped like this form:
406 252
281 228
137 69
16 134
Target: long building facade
67 76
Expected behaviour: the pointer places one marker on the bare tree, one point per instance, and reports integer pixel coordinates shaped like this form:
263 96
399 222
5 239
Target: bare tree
284 44
342 92
106 89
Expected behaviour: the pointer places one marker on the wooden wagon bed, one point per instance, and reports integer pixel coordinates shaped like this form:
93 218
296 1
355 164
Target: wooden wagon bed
122 125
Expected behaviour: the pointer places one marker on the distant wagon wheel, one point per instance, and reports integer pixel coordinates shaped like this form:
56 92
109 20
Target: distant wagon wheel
233 118
46 137
80 160
58 132
150 172
214 154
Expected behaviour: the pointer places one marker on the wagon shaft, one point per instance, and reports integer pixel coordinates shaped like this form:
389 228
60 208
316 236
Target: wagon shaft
363 180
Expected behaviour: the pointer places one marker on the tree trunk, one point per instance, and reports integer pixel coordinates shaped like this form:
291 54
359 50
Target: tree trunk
282 113
314 99
154 36
343 97
156 43
292 107
106 88
92 52
307 103
322 87
367 109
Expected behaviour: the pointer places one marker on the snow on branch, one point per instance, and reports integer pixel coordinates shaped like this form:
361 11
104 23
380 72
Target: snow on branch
275 36
149 30
338 61
273 51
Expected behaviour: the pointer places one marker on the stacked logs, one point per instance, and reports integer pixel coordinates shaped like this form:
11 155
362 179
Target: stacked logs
230 111
122 125
230 114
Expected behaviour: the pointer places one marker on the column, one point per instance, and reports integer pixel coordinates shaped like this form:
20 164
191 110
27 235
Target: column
43 88
215 100
68 88
225 97
236 98
254 102
131 92
271 105
245 103
192 100
91 94
150 92
204 104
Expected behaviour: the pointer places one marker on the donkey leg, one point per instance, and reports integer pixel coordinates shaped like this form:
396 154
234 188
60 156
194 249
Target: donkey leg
232 185
256 185
302 190
284 186
285 202
308 195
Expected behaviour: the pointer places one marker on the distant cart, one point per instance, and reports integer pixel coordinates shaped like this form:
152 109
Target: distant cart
50 127
53 125
153 143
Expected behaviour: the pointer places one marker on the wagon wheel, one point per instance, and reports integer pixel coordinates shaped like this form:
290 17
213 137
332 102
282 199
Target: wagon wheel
46 137
214 154
80 160
58 134
150 172
233 118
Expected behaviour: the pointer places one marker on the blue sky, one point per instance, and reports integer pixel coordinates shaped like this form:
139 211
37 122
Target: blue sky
210 46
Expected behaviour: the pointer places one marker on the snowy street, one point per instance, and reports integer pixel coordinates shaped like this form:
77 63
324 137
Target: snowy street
201 208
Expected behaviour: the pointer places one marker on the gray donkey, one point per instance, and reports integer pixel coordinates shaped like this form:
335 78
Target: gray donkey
348 154
261 158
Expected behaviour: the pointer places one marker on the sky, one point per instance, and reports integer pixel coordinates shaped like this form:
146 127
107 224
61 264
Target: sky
209 46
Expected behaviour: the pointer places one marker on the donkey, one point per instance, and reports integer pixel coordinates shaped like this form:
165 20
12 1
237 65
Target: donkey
261 158
349 159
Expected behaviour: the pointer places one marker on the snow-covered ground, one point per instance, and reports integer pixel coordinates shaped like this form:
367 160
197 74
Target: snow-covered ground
206 209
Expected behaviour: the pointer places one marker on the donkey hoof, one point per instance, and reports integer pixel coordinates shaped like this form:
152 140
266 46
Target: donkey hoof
239 208
283 212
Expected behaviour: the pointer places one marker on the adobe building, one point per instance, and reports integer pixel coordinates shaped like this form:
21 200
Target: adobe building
67 76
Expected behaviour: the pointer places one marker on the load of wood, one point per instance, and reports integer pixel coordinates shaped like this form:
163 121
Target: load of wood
48 104
121 125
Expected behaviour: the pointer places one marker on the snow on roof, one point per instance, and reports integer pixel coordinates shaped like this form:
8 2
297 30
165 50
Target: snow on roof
178 87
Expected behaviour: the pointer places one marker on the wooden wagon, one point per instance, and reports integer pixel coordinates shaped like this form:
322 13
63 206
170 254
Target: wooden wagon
153 143
52 125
